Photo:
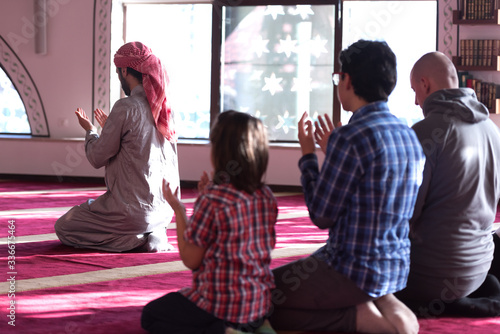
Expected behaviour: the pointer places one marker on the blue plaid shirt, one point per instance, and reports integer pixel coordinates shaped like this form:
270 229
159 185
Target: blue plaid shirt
364 195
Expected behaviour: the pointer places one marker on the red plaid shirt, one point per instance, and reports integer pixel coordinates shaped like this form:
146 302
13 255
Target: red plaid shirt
234 280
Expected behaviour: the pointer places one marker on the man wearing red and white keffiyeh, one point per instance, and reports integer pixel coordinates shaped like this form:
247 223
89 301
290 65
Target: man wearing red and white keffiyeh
155 81
137 147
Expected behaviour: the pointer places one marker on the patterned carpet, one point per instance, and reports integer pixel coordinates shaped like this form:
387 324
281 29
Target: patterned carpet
51 288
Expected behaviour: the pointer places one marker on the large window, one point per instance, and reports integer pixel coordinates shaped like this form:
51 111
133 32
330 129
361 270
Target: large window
277 63
273 59
13 118
395 22
180 35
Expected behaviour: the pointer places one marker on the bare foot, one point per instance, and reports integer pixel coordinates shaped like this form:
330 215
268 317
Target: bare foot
398 314
370 320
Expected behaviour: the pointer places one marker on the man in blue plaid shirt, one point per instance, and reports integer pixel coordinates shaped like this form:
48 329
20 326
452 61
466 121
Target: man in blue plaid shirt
364 194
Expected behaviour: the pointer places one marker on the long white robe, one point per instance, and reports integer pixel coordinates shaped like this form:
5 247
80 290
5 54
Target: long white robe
136 157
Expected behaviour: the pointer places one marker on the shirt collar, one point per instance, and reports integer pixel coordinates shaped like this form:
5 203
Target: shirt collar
368 108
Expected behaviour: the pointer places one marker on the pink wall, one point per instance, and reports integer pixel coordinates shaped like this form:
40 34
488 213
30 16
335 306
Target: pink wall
64 79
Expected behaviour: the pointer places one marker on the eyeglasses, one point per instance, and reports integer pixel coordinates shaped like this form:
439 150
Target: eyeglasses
336 77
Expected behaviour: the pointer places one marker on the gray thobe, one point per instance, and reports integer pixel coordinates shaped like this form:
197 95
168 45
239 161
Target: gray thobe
136 157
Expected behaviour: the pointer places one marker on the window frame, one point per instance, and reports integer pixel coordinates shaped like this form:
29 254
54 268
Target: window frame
217 31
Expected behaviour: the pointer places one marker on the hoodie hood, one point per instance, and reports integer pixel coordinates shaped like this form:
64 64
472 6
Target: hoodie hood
460 103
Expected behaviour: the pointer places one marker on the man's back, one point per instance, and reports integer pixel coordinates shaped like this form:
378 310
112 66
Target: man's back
137 159
451 228
372 171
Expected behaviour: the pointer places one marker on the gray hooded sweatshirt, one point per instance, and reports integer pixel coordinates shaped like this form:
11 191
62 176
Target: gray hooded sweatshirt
456 205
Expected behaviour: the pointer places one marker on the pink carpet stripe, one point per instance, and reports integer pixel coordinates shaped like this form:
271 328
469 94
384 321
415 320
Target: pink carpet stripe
31 223
56 198
46 200
56 259
24 185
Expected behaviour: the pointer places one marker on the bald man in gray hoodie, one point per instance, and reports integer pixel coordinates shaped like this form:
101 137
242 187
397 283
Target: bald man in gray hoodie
451 229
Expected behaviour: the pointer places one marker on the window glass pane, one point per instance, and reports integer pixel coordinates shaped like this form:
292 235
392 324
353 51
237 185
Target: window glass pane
13 118
181 36
391 21
277 63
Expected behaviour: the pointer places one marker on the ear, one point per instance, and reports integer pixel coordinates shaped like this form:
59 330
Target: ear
124 71
347 81
425 83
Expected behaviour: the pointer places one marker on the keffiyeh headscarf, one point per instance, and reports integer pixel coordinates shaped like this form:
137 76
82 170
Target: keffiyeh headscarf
154 80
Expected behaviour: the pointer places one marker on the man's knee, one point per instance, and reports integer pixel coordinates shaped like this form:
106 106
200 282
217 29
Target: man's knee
59 226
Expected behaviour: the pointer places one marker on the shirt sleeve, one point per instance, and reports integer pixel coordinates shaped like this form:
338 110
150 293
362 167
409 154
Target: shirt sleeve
309 169
327 192
200 230
100 149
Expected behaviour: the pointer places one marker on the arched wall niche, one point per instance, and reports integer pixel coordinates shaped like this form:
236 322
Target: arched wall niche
26 87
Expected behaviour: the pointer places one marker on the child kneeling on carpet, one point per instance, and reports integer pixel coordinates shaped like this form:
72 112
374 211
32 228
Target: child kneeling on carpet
227 242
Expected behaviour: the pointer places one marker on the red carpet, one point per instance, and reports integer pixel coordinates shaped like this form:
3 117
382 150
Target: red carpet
60 289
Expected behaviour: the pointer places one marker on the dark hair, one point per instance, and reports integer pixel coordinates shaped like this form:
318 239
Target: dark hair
240 150
372 68
135 74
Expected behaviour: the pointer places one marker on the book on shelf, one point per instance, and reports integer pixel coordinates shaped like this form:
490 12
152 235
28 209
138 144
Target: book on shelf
478 9
489 51
478 52
487 92
463 76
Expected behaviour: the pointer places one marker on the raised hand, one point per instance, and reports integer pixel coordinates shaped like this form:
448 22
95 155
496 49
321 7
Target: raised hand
101 117
323 129
83 119
203 183
306 135
172 198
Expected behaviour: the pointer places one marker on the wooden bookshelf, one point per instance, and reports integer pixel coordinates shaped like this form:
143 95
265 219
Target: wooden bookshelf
493 21
483 17
495 65
487 92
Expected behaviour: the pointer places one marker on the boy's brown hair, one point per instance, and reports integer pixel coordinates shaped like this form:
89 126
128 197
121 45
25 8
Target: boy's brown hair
240 150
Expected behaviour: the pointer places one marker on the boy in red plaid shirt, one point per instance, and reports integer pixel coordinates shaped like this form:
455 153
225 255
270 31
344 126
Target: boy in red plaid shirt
227 242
